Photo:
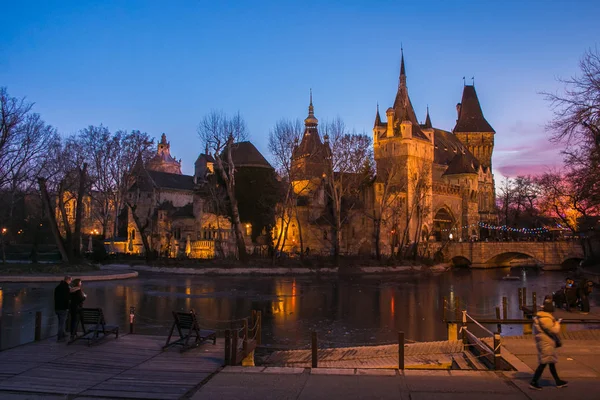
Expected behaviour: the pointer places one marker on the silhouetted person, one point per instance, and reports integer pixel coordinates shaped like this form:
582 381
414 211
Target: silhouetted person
570 294
77 299
62 295
546 329
583 292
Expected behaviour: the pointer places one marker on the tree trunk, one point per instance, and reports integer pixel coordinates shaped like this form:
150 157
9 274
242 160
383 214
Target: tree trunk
337 232
142 231
377 234
76 239
52 220
300 235
237 224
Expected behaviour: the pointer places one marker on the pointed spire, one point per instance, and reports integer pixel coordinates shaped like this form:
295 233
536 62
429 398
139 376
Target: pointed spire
311 119
402 69
428 120
470 117
377 117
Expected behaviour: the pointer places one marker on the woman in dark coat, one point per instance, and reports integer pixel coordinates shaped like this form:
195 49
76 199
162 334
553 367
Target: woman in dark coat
77 299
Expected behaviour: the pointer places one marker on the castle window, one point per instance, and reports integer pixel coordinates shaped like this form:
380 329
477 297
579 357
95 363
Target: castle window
133 234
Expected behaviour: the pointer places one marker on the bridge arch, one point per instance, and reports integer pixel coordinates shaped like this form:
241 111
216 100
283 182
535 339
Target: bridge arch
503 259
571 262
460 261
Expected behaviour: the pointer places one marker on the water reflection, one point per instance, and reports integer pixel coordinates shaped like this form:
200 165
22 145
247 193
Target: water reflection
370 309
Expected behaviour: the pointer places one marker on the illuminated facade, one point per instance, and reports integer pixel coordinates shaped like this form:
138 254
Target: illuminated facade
430 182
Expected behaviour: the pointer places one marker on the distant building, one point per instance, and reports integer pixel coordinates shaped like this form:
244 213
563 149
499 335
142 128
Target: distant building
184 214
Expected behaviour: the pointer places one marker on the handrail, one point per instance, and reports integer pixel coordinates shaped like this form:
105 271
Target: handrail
469 339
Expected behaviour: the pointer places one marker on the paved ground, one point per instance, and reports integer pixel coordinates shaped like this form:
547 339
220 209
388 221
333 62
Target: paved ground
251 383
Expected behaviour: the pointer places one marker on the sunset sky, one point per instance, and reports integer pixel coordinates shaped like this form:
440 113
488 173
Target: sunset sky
160 66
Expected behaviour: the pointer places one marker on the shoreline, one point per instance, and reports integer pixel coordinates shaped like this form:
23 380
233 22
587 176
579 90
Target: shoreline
102 275
270 270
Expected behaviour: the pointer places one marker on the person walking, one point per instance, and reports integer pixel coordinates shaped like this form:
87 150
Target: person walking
77 298
546 329
62 295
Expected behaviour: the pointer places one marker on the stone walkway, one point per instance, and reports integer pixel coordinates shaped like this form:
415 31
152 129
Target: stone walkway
305 384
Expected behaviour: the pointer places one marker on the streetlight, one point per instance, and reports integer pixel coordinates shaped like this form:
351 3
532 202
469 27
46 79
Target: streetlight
4 230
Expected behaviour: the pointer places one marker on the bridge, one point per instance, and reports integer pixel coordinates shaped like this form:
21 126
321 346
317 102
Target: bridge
549 255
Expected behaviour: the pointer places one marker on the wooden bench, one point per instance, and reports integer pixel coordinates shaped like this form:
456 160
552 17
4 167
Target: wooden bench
93 324
188 328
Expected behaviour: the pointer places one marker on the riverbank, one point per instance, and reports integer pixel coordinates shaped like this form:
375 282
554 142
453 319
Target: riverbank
235 270
100 275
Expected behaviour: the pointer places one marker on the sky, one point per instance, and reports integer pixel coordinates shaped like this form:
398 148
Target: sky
160 66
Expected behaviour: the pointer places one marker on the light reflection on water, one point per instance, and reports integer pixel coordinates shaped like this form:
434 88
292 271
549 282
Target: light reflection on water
365 310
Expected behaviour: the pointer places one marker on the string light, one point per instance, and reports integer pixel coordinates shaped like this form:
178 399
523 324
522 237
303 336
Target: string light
505 228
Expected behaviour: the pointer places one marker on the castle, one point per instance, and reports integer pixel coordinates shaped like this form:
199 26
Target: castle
431 184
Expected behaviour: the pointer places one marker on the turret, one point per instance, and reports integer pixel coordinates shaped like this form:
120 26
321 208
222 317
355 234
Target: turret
406 129
473 129
428 127
390 121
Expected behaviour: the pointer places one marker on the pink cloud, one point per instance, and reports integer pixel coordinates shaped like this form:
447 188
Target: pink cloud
525 169
529 152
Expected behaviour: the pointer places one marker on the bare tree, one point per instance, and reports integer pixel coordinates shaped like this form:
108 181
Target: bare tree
577 110
389 187
282 139
348 153
419 188
221 133
66 179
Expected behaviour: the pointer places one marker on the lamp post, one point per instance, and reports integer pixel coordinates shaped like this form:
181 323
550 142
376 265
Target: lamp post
4 230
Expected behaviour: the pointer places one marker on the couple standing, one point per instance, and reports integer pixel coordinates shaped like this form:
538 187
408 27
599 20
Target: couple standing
68 299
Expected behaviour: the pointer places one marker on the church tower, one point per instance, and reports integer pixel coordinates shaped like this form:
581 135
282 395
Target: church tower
472 129
308 158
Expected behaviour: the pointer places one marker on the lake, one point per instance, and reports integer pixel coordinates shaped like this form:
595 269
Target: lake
344 310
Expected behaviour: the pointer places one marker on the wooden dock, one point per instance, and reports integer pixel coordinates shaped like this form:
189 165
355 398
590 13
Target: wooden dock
130 367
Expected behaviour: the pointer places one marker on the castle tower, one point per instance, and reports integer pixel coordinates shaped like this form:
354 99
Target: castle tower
163 161
404 147
308 158
472 129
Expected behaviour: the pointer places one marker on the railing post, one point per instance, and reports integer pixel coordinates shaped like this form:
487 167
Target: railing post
315 361
445 308
457 308
245 342
227 346
524 297
401 350
38 326
504 308
253 332
499 326
259 327
497 352
234 347
131 319
464 328
534 302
